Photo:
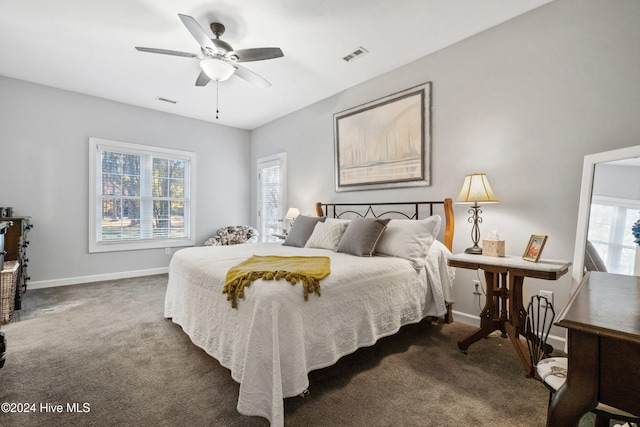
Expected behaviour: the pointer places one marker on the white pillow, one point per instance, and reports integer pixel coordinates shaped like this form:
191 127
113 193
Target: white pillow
327 235
409 239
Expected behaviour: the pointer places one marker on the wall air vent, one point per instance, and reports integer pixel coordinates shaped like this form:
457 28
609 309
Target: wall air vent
355 54
170 101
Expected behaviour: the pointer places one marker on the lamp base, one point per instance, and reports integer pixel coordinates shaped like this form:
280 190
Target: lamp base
475 250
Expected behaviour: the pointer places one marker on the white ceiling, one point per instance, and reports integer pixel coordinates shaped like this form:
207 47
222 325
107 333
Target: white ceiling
87 46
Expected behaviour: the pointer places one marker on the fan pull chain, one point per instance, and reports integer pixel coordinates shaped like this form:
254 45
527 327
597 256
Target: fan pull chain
217 90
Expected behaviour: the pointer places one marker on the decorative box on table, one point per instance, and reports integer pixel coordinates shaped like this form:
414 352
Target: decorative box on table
493 247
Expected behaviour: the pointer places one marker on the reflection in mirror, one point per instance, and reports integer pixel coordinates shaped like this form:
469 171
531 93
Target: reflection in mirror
615 207
609 206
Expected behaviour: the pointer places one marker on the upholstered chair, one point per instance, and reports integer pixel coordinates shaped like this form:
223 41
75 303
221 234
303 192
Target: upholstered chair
233 235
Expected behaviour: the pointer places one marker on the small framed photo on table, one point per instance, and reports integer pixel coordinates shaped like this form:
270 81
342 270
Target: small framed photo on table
534 248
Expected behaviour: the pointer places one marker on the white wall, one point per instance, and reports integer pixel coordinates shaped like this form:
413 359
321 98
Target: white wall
611 180
523 102
44 136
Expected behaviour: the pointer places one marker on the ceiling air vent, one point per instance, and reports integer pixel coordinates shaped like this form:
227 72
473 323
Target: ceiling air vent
355 54
170 101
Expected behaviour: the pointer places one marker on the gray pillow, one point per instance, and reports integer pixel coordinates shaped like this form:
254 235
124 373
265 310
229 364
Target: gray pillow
362 236
301 230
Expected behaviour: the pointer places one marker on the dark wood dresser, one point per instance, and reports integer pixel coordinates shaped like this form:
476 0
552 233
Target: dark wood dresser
4 225
603 322
15 246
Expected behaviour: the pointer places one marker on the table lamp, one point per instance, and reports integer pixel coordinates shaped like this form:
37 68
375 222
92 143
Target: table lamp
291 215
476 188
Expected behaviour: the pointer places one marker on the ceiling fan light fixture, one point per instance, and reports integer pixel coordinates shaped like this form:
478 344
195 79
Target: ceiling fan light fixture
218 60
217 69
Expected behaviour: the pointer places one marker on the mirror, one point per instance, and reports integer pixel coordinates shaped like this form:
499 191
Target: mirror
609 206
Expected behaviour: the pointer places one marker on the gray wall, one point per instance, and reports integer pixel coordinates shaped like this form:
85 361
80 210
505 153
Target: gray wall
523 102
44 136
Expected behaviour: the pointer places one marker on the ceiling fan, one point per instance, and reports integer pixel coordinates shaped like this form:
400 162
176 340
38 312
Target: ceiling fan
218 60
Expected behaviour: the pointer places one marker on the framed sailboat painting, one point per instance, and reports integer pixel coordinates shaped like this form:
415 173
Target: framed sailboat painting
385 143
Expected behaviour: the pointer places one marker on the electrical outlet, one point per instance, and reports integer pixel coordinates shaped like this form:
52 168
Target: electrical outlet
476 287
167 251
548 295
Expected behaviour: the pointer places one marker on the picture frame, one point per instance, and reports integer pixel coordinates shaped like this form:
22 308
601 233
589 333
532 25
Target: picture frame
385 143
534 248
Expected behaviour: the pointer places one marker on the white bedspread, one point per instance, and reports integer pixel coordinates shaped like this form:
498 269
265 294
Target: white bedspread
274 338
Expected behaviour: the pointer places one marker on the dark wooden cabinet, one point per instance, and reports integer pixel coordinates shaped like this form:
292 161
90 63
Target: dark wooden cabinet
16 242
4 225
603 322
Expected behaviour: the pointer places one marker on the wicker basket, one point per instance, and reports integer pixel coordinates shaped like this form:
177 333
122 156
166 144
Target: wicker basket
8 283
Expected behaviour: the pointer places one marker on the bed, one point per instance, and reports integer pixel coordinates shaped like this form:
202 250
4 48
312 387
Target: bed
274 337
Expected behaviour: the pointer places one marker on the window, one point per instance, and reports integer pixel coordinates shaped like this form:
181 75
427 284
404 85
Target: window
141 197
610 232
271 195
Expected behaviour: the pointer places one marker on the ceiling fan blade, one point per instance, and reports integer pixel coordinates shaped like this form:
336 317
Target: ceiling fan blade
257 54
167 52
250 76
202 79
198 33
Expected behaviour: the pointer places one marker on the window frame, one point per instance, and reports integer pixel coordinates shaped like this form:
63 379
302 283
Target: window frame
614 245
263 162
95 196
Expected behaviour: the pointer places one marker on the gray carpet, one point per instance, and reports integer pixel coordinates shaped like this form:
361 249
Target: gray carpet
105 350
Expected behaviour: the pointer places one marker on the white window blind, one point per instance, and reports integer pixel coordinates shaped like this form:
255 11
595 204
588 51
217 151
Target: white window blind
610 225
271 194
141 197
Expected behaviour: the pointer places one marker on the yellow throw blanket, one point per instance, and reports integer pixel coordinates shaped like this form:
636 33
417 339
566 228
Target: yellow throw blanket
306 269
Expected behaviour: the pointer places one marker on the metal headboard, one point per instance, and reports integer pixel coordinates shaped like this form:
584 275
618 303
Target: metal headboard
338 210
377 210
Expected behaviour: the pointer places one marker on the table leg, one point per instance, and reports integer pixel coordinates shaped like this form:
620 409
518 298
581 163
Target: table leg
517 320
490 319
504 297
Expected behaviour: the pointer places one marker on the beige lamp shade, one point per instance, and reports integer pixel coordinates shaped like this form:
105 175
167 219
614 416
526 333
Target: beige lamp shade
476 188
292 213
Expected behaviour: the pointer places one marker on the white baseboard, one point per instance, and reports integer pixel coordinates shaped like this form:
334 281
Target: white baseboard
41 284
557 342
467 319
